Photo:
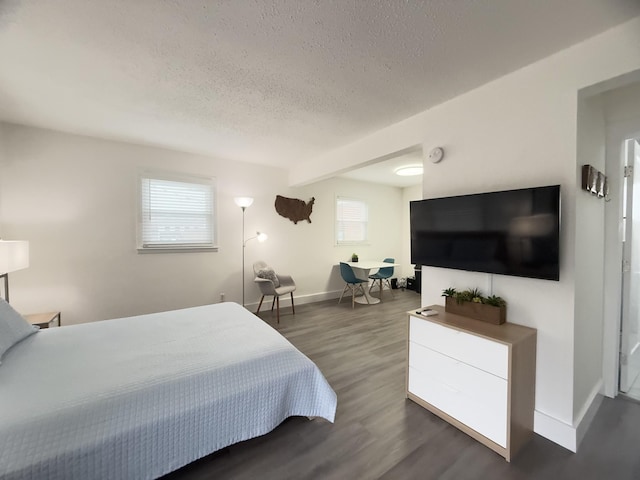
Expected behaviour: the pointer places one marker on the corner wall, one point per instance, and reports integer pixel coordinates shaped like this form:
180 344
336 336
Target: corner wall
589 260
408 194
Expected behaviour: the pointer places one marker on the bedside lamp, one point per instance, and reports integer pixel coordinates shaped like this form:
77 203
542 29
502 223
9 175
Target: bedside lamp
14 255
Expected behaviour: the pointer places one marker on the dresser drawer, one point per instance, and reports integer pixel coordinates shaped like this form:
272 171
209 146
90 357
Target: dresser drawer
490 421
486 388
473 350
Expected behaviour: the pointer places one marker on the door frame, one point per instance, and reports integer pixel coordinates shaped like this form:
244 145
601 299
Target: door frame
616 134
630 271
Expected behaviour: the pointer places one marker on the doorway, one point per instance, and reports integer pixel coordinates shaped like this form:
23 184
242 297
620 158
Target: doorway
629 371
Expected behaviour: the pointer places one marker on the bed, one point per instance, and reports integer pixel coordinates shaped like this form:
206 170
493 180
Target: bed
142 396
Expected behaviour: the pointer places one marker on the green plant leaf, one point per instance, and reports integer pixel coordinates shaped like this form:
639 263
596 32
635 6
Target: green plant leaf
473 295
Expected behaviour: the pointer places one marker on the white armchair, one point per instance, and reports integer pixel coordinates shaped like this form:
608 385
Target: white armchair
273 284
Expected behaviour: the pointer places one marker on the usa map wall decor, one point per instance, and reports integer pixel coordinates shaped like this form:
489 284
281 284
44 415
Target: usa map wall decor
294 209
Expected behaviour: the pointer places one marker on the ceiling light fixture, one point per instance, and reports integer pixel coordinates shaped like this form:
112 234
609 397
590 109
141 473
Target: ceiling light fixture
409 170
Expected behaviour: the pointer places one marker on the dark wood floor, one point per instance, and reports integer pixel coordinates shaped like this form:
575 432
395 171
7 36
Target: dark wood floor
379 434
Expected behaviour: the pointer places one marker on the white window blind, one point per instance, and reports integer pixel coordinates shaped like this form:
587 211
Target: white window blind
176 212
351 221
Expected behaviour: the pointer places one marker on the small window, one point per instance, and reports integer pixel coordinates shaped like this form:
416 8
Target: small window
351 221
176 212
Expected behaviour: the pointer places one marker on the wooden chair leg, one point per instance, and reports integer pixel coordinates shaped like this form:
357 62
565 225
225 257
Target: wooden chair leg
293 309
274 302
373 284
260 304
353 297
343 290
390 289
278 307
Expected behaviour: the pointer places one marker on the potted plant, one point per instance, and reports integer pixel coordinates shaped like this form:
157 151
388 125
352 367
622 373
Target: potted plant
471 303
354 257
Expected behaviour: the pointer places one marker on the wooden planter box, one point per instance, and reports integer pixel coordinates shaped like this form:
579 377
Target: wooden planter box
478 311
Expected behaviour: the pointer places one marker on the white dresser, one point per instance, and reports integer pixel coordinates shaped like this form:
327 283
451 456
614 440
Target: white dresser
477 376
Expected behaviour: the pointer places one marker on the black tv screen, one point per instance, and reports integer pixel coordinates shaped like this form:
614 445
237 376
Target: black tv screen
513 232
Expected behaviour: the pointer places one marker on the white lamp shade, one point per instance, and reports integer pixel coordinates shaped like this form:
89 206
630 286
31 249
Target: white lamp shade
14 255
243 202
262 236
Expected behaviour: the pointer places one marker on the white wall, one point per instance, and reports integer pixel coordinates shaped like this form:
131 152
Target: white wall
518 131
74 199
589 259
622 105
501 138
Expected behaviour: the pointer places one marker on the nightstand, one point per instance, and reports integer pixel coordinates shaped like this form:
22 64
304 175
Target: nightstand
43 320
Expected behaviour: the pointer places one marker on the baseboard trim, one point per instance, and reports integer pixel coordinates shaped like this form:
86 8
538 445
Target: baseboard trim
285 300
555 430
588 413
564 434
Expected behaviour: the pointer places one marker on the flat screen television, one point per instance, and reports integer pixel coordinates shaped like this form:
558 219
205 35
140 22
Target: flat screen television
513 232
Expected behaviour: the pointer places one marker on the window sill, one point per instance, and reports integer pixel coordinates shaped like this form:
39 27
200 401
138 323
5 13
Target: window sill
146 250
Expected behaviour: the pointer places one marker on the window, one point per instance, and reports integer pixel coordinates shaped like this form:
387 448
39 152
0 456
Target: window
176 212
351 221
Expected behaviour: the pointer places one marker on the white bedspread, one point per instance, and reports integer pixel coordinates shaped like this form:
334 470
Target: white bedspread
142 396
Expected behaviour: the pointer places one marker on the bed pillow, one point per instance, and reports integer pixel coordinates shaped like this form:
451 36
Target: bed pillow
269 274
13 328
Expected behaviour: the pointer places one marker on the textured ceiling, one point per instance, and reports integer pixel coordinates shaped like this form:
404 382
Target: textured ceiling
270 82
